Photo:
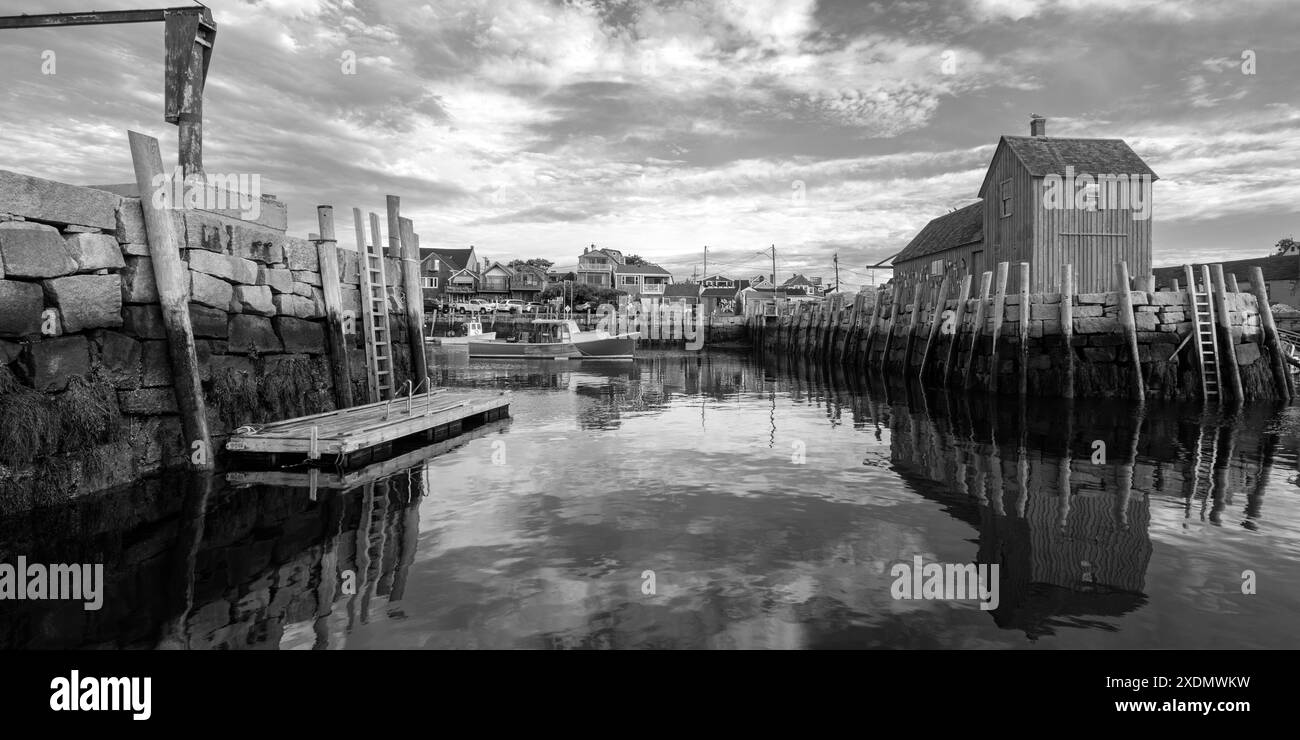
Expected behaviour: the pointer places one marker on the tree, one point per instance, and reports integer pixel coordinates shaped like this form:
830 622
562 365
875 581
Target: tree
534 262
635 259
1286 244
581 293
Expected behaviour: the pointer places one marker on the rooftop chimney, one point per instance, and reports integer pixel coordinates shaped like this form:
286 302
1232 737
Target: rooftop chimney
1037 125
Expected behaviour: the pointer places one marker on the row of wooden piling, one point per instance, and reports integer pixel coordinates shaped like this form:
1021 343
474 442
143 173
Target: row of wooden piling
818 329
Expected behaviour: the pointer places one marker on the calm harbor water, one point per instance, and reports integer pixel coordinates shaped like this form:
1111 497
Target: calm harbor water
710 501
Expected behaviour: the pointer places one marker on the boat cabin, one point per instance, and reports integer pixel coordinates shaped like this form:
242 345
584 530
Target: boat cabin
550 331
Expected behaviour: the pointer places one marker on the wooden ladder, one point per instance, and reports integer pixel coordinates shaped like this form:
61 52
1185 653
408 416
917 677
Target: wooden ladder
1203 325
374 309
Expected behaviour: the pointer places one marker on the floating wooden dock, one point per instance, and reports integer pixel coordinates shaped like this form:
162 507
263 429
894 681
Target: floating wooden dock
438 414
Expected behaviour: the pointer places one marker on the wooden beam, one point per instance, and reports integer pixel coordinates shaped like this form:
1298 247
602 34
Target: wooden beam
94 18
331 286
171 276
394 226
1227 358
1129 324
1280 375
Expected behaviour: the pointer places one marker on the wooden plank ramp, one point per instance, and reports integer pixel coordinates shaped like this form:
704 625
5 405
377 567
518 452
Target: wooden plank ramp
346 431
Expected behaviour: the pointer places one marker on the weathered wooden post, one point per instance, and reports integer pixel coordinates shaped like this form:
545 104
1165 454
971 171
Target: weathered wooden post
1067 326
1129 325
1228 359
171 276
877 314
962 297
940 305
394 250
331 286
1232 283
999 315
912 323
853 326
1024 328
1280 374
895 308
414 296
981 310
367 317
1174 285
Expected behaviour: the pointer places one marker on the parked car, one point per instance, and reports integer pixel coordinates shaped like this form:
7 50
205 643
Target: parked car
535 307
511 305
474 305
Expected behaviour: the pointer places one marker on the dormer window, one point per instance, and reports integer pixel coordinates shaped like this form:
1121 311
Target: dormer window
1004 198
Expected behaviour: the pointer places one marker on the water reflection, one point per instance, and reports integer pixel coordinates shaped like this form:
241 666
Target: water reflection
1113 526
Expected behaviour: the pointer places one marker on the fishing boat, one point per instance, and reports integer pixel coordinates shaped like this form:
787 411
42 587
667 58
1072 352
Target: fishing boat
557 339
473 330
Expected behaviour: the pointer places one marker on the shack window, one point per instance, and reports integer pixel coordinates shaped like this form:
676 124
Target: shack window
430 282
1004 194
936 267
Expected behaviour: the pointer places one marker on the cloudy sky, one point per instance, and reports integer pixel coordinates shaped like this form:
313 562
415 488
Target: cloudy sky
535 127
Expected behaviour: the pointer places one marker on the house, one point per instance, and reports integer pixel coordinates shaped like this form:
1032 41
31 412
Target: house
684 293
596 266
761 300
641 281
448 274
528 281
1047 201
718 294
494 282
1281 276
799 285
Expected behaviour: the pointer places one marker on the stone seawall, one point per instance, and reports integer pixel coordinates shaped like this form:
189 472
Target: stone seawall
86 390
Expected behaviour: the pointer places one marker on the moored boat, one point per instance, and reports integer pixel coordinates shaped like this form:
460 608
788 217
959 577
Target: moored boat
557 339
473 330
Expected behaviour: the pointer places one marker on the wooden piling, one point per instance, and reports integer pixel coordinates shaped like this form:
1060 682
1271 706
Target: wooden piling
1024 329
367 320
1174 285
853 326
913 322
895 308
414 299
1232 283
981 310
1067 326
940 305
877 315
999 315
331 286
1227 358
1129 324
962 297
1280 374
171 277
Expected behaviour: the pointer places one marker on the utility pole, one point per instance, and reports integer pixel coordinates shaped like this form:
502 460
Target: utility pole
837 272
774 270
706 262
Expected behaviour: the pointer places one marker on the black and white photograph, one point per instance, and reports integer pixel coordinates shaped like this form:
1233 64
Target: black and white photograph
364 328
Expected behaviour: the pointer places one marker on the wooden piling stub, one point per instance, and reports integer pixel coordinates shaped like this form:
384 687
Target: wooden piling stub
1232 283
913 322
877 311
331 287
1280 374
1129 325
171 277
